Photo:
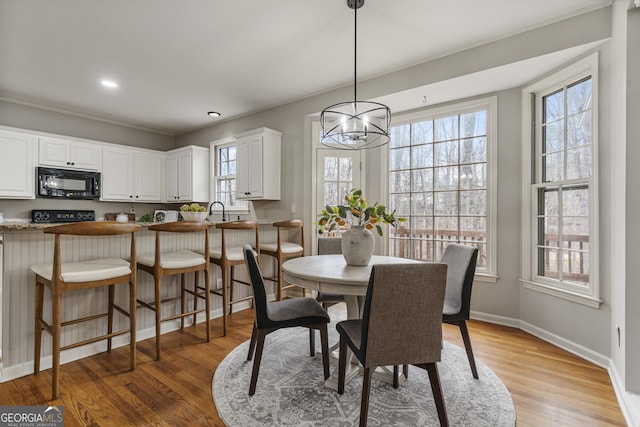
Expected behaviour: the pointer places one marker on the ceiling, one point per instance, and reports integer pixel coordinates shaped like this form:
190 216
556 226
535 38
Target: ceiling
175 60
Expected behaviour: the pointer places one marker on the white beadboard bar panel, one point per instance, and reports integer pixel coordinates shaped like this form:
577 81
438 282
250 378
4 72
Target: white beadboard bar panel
24 248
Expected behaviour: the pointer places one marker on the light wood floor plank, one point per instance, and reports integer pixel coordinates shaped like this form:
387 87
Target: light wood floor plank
549 386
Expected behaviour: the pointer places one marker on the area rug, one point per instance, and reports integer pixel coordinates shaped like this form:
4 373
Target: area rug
291 392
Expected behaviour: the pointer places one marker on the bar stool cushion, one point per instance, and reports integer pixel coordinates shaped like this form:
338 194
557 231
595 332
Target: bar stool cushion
180 259
285 247
86 271
233 254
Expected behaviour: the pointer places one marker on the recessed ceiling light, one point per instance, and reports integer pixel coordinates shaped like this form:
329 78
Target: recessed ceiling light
213 114
109 84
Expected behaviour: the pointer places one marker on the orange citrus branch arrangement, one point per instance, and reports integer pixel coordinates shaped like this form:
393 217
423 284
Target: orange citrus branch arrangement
358 213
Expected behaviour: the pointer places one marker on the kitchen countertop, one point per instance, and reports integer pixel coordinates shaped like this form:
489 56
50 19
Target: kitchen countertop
23 224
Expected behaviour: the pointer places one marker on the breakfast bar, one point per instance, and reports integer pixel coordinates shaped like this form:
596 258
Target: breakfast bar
25 244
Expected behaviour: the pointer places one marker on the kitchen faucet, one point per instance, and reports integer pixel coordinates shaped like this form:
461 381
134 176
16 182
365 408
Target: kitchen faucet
211 209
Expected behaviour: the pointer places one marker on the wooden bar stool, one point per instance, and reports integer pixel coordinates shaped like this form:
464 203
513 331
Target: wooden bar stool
283 250
227 257
61 277
180 262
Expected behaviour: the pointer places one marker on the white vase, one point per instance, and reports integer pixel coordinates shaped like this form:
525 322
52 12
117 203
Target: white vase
357 245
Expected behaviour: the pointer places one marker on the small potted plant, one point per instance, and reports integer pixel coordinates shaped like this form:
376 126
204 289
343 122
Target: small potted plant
357 241
193 212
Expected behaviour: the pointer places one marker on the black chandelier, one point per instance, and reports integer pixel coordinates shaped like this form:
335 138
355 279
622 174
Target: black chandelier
355 125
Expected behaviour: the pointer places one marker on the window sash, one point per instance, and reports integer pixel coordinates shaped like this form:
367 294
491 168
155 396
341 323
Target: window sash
441 141
224 179
575 274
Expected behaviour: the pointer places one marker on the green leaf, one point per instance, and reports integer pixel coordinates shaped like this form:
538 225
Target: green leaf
379 229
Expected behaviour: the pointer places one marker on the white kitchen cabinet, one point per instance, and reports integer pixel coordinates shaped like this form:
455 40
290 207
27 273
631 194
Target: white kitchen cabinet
188 174
68 154
131 175
258 165
17 165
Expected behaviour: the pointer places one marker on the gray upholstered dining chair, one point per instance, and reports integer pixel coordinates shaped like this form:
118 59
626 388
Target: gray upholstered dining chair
401 324
274 315
461 261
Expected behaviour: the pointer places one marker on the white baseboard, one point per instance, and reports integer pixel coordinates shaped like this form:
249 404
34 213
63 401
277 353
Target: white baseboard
629 402
577 349
497 320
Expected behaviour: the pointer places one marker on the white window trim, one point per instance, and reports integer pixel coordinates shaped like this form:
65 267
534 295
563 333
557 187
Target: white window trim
529 278
491 105
316 145
213 166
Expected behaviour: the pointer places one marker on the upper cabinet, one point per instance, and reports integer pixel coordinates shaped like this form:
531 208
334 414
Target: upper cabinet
131 175
69 154
188 174
258 165
17 165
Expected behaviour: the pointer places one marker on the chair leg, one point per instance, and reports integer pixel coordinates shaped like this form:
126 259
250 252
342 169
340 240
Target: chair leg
366 389
132 325
278 271
261 333
158 309
111 298
224 301
37 344
195 296
231 282
324 342
183 284
438 397
56 309
467 346
252 343
396 374
312 342
207 302
342 365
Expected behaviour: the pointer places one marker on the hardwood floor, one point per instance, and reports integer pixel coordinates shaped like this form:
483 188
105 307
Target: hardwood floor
549 386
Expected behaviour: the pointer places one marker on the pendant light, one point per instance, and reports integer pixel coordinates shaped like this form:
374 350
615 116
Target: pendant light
355 125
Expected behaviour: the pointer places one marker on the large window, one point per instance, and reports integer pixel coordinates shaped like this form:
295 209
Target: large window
562 205
442 178
224 179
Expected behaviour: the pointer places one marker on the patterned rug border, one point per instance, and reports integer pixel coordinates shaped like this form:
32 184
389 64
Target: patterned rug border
290 391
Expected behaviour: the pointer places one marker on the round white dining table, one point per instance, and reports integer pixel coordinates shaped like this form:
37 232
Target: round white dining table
330 273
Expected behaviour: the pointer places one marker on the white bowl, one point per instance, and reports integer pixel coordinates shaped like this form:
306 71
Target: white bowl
194 216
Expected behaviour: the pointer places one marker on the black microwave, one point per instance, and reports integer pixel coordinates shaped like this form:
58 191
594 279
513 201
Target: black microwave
67 184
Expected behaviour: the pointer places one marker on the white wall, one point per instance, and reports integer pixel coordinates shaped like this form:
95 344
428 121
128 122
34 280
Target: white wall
631 324
616 207
32 118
